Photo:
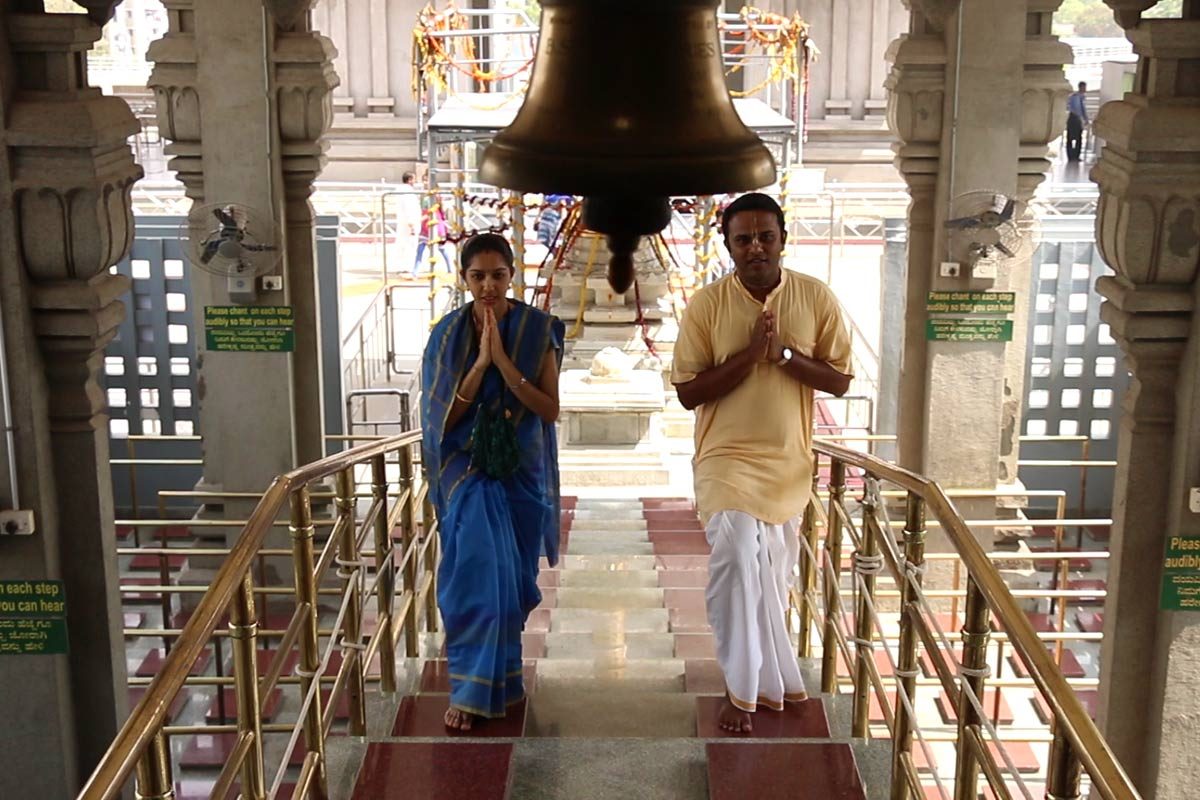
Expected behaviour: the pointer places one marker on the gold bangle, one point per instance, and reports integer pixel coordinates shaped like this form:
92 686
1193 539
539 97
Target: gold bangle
461 398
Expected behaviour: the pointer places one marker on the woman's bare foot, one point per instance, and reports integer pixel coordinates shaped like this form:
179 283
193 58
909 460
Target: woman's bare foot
733 719
458 720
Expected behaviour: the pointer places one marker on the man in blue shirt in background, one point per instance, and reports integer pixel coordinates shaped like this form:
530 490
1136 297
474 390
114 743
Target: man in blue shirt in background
1077 118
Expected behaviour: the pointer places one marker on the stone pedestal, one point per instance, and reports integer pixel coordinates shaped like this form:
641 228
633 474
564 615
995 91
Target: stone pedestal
607 319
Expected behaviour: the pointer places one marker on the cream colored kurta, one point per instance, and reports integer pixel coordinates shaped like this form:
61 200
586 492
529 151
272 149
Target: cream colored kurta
754 445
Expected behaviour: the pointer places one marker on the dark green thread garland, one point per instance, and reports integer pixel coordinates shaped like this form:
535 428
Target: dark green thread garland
494 444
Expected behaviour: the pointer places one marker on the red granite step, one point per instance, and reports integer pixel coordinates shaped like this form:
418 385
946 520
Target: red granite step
695 645
136 693
435 677
423 715
1090 698
682 578
779 771
213 715
804 720
703 676
949 711
154 660
1070 667
149 561
1090 621
478 770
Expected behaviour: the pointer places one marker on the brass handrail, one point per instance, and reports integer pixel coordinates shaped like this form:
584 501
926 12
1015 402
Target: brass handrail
1077 740
143 727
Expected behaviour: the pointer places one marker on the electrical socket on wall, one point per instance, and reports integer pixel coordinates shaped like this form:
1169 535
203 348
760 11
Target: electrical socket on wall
950 269
1194 499
16 523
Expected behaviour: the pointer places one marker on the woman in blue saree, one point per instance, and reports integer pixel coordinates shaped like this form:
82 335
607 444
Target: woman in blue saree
489 400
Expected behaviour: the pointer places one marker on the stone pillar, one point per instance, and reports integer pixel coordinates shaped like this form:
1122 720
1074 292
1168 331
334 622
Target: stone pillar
1148 231
916 99
304 69
65 178
244 95
1044 91
973 101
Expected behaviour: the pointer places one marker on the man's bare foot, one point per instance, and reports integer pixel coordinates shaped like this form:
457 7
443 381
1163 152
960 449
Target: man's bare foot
458 720
733 719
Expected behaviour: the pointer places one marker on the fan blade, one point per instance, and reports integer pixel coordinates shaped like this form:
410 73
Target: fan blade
1000 246
210 250
1007 213
963 223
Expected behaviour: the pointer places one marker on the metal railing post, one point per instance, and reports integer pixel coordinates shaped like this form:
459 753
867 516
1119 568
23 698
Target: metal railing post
428 523
243 630
408 537
1064 770
906 666
352 584
833 546
866 565
974 672
808 575
154 779
303 567
386 585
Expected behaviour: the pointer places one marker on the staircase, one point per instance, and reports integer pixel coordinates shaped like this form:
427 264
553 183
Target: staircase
623 692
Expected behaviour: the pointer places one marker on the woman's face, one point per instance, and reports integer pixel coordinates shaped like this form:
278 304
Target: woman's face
488 277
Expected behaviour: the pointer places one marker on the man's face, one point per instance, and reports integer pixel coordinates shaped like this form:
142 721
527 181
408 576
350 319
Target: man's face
755 244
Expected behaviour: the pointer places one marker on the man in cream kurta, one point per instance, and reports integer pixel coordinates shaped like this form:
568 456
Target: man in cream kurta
752 348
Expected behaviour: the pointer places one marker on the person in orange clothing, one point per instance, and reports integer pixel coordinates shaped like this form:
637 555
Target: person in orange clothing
752 348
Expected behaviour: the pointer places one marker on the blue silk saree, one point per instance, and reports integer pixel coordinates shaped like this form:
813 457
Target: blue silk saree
492 530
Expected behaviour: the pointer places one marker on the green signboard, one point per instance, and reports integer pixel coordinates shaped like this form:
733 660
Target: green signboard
971 302
1181 574
250 329
33 618
962 329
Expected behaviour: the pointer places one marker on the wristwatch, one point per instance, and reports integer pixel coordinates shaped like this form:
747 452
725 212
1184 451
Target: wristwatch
786 357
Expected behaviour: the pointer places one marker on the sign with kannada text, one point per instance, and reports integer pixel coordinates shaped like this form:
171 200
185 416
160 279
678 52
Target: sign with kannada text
1181 575
33 618
963 329
250 329
971 302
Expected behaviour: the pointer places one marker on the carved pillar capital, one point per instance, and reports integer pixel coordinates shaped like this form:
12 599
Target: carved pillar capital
176 94
289 15
1148 218
933 12
1128 13
916 91
73 171
304 84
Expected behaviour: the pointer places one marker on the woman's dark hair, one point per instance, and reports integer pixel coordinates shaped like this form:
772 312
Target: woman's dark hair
484 243
754 201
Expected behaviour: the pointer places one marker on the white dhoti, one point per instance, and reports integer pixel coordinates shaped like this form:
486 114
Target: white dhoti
747 598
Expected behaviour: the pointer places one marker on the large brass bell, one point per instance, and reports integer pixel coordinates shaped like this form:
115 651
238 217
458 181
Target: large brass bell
627 105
